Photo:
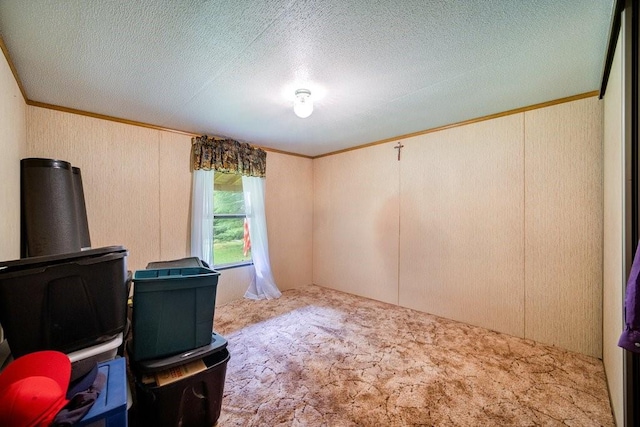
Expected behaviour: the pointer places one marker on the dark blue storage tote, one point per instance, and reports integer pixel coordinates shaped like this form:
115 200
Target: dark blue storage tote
173 310
110 409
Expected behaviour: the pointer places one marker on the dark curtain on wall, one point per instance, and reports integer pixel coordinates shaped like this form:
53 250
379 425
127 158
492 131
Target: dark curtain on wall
228 156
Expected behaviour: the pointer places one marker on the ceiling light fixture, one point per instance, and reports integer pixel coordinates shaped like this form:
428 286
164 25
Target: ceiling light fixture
303 105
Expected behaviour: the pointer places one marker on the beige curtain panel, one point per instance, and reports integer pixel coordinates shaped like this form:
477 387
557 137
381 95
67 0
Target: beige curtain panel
227 155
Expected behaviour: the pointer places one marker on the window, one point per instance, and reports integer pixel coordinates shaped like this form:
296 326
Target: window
231 244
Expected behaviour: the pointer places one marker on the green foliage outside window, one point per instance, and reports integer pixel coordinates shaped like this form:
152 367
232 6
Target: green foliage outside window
228 199
228 202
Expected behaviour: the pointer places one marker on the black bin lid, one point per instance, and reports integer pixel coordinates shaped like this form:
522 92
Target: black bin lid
218 343
177 263
49 260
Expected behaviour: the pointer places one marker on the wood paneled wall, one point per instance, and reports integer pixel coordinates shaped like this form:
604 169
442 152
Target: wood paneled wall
563 226
13 145
175 195
355 223
500 224
289 210
137 185
461 238
120 175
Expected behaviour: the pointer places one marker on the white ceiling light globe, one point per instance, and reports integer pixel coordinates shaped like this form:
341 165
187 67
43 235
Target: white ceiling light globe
303 105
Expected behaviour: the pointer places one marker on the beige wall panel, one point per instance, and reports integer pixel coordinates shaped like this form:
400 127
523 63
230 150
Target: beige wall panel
119 166
461 224
613 228
232 284
355 226
563 226
13 144
175 195
289 210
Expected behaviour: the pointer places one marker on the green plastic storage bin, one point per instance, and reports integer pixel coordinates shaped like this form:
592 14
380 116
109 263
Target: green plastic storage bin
173 310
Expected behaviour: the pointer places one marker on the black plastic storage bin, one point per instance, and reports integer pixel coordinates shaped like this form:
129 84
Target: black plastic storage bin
192 401
50 223
178 263
173 310
63 302
217 343
81 209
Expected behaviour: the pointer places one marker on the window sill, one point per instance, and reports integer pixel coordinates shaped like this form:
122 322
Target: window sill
230 266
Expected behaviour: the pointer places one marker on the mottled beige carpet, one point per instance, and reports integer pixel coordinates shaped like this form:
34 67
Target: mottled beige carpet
318 357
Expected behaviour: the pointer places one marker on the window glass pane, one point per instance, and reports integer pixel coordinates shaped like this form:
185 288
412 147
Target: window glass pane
228 243
227 194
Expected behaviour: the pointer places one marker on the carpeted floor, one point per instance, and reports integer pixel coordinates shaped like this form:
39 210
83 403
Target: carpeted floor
318 357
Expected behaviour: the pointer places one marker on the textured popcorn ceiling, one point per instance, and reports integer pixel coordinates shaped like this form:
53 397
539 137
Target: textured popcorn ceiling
376 68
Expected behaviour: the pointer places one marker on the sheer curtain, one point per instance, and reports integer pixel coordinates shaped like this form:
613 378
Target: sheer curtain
262 286
225 155
202 215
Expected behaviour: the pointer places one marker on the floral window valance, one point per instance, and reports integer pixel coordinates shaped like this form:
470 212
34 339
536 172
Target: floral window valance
227 155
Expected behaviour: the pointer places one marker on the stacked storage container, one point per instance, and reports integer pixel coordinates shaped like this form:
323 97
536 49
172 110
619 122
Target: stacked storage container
74 303
173 349
62 295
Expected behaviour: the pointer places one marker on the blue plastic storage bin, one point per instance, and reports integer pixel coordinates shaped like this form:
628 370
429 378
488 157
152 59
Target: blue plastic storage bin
110 409
173 310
